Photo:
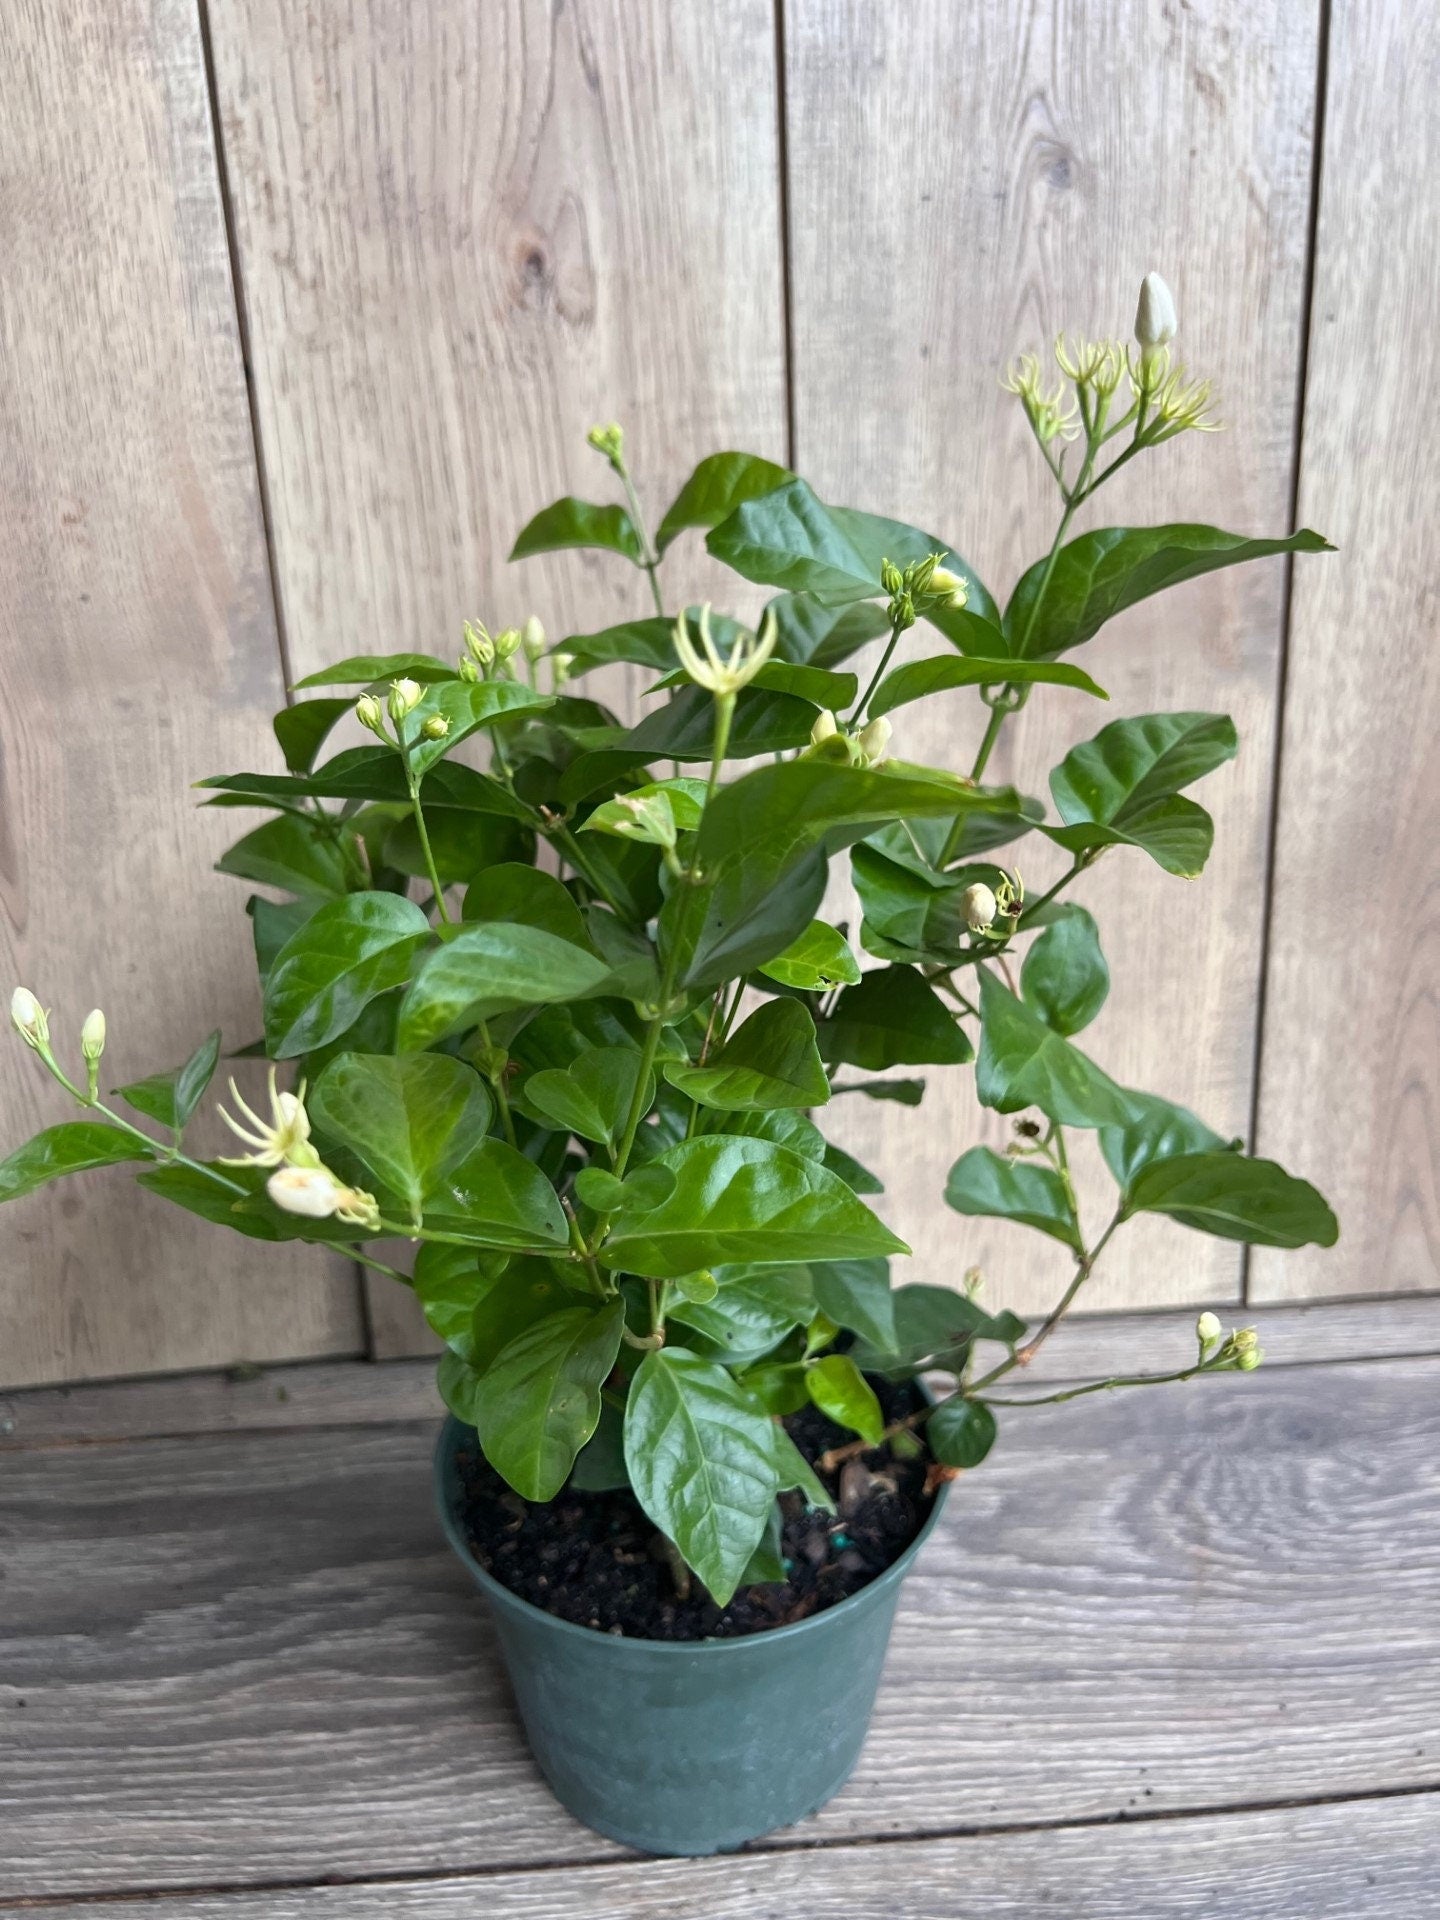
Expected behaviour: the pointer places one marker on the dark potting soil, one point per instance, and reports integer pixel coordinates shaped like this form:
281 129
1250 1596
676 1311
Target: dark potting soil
596 1560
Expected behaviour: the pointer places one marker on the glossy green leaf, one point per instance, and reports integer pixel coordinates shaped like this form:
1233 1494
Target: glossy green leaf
904 1093
858 1178
466 705
766 1566
918 679
72 1147
985 1183
528 1291
961 1432
249 1211
892 1018
1025 1063
171 1098
593 1095
600 1465
343 956
497 1198
449 1284
525 896
717 486
701 1459
487 968
753 1307
375 773
820 959
1155 1130
408 1115
679 803
639 643
1102 573
794 1471
462 844
786 1126
933 1328
1122 787
541 1397
1064 977
362 669
743 1201
856 1295
837 1386
303 729
769 1061
810 633
291 853
1236 1198
578 523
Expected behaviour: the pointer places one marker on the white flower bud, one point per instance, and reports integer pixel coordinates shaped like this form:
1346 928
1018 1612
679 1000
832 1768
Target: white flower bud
532 638
479 645
560 665
29 1018
404 698
1208 1330
979 906
436 727
92 1036
507 643
948 587
1156 321
313 1192
368 712
874 739
825 728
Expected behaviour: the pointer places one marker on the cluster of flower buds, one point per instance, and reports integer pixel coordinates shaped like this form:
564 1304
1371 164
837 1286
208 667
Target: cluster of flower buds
924 587
1052 415
724 674
403 698
610 441
1220 1353
301 1183
866 747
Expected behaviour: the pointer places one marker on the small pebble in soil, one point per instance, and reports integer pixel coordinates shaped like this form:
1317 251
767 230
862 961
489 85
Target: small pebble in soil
594 1558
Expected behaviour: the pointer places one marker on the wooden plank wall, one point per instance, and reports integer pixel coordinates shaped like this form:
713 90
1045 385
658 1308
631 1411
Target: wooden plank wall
460 237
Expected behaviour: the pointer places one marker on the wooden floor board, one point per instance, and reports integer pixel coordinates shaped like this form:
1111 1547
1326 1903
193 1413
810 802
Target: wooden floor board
244 1659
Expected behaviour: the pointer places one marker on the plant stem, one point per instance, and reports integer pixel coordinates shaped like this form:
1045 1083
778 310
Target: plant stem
379 1266
423 832
724 715
1033 907
1103 1386
649 559
890 645
1084 1264
987 744
172 1154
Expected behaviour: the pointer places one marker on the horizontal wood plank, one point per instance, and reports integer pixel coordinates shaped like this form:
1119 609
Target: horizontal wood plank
249 1658
1358 1860
357 1393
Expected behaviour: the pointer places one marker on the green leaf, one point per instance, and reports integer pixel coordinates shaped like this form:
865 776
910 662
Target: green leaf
961 1432
639 643
600 1464
855 1294
1156 1130
497 1198
462 844
528 1291
837 1386
449 1285
291 853
786 1126
1024 1063
407 1115
363 669
341 959
933 1328
578 523
810 633
681 801
593 1095
717 486
465 705
525 896
1102 573
818 960
171 1098
793 1470
918 679
596 1188
72 1147
859 1179
766 1566
753 1307
488 968
769 1061
302 729
742 1200
817 686
904 1093
273 922
701 1459
1122 788
541 1398
892 1018
985 1183
1064 977
249 1212
1235 1198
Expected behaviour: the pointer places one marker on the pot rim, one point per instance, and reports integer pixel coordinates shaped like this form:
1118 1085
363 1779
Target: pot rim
445 1445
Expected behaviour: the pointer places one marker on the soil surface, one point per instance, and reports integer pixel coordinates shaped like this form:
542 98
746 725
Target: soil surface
596 1560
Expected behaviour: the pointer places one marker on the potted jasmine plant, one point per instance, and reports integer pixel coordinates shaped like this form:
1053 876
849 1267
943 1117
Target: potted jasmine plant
566 1027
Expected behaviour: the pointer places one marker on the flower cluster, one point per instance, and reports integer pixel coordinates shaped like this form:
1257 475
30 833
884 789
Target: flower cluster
301 1182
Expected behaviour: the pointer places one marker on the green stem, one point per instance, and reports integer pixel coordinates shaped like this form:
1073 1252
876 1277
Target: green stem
379 1266
1034 906
649 1048
987 745
158 1147
1102 1386
724 715
896 630
1084 1265
650 560
419 812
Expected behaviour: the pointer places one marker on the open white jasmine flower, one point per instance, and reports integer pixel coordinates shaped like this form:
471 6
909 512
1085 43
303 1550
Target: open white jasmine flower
282 1140
724 674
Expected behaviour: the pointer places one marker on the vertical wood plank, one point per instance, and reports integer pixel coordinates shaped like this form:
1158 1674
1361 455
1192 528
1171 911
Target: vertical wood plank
1350 1080
465 235
964 183
138 654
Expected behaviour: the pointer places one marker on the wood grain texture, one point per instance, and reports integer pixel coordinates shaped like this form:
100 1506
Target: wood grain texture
357 1393
247 1659
137 653
1350 1082
465 235
1359 1860
949 209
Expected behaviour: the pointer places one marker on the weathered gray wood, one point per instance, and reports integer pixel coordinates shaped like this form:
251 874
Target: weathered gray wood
1350 1083
465 235
965 182
137 653
354 1393
251 1659
1358 1860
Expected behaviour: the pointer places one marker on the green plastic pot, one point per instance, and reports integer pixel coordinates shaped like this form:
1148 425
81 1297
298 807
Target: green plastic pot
694 1747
